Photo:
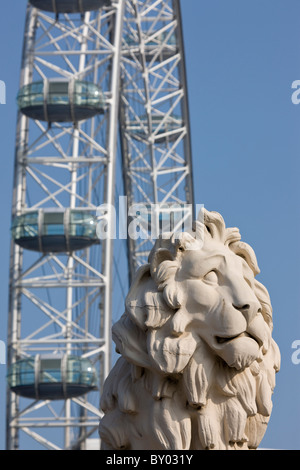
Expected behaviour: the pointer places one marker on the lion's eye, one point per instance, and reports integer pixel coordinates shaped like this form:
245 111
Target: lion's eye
211 277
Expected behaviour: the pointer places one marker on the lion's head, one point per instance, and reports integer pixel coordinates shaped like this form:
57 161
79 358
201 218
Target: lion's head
198 361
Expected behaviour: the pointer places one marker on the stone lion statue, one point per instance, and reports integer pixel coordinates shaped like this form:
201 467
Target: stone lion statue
198 362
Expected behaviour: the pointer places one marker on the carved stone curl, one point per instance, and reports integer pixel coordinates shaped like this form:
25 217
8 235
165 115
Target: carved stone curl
198 360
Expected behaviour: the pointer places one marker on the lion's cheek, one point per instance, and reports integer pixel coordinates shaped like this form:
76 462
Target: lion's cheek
240 353
198 296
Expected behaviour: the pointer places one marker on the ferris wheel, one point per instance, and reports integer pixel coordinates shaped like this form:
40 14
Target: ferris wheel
102 92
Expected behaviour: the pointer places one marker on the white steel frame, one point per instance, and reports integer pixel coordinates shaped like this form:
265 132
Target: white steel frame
157 164
64 165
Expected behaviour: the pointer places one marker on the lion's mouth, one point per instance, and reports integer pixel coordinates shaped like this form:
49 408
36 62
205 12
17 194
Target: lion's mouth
227 339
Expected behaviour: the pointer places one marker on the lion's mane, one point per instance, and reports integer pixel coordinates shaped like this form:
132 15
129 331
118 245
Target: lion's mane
171 391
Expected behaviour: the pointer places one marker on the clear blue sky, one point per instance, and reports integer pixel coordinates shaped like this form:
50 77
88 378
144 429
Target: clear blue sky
242 57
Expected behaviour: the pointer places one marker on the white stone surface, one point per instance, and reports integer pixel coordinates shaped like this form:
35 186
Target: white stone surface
198 362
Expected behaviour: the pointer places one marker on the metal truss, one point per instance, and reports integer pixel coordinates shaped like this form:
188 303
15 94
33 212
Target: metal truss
155 130
61 303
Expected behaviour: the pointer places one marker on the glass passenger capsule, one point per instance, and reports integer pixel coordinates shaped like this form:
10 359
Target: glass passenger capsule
157 46
69 6
55 230
52 377
161 127
61 100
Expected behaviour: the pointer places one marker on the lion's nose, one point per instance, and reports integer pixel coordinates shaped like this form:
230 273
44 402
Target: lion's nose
249 310
243 307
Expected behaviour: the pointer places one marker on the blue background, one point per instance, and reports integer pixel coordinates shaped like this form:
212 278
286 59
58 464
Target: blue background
241 59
